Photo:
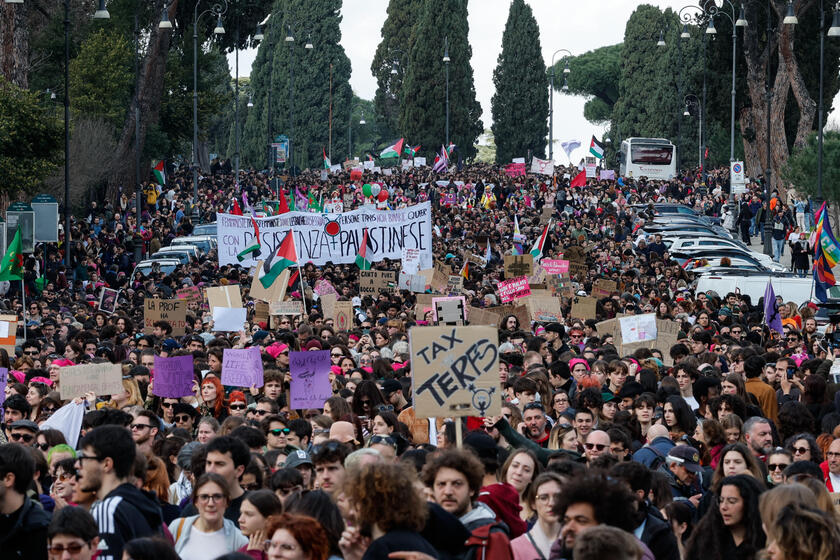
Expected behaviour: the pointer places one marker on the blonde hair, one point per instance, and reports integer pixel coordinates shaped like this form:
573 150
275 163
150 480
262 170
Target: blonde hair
134 396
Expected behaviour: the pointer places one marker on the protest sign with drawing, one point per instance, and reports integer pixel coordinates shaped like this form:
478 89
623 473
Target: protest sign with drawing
310 385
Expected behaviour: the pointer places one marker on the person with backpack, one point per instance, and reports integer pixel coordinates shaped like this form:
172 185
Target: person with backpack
659 444
454 477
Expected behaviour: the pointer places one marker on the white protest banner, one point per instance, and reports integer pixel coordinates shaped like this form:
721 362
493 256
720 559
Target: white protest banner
410 260
419 161
591 169
368 165
638 328
335 169
102 379
518 160
455 371
322 238
334 207
542 166
406 164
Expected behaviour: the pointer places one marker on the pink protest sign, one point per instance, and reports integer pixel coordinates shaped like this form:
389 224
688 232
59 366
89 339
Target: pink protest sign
514 288
555 266
173 377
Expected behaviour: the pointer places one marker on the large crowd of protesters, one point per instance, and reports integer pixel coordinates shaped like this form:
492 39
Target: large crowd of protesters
731 450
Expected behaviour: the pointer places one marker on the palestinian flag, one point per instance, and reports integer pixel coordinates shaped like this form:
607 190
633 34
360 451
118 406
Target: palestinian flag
361 259
159 173
449 148
394 150
253 250
465 270
411 152
596 148
327 163
370 157
11 267
537 249
279 261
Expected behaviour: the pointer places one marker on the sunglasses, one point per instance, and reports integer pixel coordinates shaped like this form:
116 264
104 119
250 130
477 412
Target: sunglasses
336 355
800 450
25 437
139 427
31 352
183 417
332 446
777 466
42 446
167 404
238 406
598 446
385 440
259 412
278 431
73 549
64 477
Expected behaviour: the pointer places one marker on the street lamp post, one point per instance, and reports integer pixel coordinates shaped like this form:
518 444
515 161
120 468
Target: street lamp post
446 63
218 9
551 99
691 102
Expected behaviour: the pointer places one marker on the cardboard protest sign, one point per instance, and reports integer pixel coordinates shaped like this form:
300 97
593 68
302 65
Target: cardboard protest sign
519 311
544 309
327 302
261 311
310 385
480 316
372 282
242 367
578 269
638 328
449 310
343 315
514 288
411 282
102 379
439 281
519 265
224 296
173 311
285 308
191 294
276 292
555 266
8 332
455 371
108 300
603 287
667 336
454 284
173 377
584 307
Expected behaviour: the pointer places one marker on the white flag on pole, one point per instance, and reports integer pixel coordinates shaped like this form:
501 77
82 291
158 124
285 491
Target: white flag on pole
569 146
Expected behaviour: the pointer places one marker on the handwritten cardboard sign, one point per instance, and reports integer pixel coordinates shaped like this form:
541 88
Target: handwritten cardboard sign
261 312
173 311
544 309
514 288
242 367
173 377
480 316
343 315
555 266
578 269
584 307
286 308
454 284
455 371
519 265
371 282
191 294
603 287
102 379
310 372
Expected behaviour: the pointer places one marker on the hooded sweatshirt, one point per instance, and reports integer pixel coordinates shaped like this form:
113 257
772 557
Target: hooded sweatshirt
126 513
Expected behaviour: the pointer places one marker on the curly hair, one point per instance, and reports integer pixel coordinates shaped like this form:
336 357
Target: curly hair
813 447
308 533
804 532
465 462
384 494
794 418
611 499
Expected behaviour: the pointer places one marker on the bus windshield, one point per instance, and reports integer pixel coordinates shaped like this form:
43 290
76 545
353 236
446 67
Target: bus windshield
641 154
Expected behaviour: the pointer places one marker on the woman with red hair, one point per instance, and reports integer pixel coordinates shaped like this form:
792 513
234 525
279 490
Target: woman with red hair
296 536
211 395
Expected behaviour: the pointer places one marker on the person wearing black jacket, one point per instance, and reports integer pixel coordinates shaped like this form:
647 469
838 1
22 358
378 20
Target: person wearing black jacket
656 533
122 512
744 219
23 523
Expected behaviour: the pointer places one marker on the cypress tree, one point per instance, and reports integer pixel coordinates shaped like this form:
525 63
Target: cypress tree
423 111
310 20
520 104
390 60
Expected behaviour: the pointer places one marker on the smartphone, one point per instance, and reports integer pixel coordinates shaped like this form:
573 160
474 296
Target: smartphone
790 372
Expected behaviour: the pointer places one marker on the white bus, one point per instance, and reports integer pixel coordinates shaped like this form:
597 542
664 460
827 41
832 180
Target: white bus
654 158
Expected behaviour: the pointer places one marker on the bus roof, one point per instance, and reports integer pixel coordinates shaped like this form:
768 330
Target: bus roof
647 140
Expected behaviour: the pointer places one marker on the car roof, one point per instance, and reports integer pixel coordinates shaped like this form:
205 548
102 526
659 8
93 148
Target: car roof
150 262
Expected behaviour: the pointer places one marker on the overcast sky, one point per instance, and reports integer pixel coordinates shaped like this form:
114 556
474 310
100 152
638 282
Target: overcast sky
588 26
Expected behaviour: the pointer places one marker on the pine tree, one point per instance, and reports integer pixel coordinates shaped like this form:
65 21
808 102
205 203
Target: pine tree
390 60
310 20
423 112
520 104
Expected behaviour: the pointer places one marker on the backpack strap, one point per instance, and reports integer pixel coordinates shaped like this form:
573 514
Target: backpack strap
178 530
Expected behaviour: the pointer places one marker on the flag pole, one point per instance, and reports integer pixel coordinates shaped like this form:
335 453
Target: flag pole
300 273
23 314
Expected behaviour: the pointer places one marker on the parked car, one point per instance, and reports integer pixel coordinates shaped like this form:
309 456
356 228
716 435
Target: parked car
144 268
204 243
790 286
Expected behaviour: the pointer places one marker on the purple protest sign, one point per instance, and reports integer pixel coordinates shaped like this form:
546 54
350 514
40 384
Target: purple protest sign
173 377
310 378
242 367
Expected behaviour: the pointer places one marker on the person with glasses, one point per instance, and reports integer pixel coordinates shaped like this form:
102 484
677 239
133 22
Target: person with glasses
804 447
26 537
167 410
238 403
121 511
597 444
275 430
777 461
72 531
536 543
23 432
144 430
184 416
208 533
296 537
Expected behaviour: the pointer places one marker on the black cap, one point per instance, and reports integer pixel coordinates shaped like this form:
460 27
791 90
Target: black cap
686 456
391 386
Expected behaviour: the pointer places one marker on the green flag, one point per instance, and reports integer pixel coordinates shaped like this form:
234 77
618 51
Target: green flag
11 267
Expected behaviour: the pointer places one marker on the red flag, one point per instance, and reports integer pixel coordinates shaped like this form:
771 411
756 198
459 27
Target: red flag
579 180
282 205
236 211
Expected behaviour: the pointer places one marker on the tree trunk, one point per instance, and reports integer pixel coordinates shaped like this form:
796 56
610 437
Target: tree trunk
149 94
14 44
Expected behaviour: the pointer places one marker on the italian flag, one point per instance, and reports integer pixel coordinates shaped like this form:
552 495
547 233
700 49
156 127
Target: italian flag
279 261
596 148
361 259
537 249
327 163
394 150
159 173
253 249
